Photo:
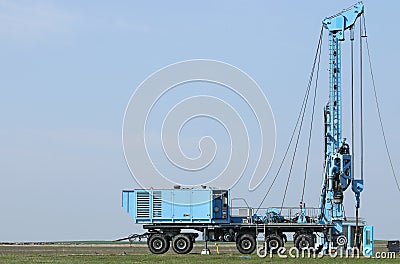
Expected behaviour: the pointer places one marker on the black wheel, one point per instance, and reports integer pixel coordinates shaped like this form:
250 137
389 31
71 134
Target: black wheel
274 242
304 241
182 244
246 243
228 237
158 244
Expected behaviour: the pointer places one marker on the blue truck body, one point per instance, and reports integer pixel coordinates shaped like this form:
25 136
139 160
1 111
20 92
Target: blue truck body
165 213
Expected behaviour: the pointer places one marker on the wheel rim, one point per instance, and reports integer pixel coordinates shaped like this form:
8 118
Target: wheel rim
157 244
304 243
246 244
181 244
273 244
227 237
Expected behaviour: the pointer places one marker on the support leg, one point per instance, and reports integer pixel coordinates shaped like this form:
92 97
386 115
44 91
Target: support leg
205 250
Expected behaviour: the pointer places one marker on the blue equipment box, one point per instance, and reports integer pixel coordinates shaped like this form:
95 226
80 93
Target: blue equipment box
177 205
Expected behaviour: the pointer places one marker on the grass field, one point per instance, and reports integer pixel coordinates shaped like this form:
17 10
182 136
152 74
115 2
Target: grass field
108 252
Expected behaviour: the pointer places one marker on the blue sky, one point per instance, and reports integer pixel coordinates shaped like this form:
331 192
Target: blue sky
68 69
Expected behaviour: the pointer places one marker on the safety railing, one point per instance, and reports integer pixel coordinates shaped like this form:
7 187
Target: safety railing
277 214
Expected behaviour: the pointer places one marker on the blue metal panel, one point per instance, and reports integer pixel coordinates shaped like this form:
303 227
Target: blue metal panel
368 241
125 200
181 206
167 206
141 205
129 202
344 20
217 203
221 207
201 205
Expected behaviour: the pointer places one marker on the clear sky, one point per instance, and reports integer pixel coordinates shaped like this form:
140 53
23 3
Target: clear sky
68 69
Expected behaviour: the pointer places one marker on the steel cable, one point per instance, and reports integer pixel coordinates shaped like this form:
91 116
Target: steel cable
297 122
379 111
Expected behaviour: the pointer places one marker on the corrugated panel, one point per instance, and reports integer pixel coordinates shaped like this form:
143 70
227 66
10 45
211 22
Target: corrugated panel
157 204
143 205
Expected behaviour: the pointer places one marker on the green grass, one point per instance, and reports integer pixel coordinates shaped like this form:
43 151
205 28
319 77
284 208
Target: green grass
191 258
106 252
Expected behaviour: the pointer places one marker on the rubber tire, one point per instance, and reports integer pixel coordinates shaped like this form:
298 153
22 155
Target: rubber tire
304 241
246 243
182 244
158 244
295 236
228 237
274 241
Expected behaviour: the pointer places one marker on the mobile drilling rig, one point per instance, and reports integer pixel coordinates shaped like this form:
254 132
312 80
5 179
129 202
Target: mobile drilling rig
166 213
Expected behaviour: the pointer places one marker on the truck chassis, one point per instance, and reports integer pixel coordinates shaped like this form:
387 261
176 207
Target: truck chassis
160 237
